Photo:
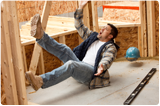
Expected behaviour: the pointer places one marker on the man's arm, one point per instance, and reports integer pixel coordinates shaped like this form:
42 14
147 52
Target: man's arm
107 59
83 31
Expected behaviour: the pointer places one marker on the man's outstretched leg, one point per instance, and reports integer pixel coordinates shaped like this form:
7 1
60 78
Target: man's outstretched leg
80 71
63 52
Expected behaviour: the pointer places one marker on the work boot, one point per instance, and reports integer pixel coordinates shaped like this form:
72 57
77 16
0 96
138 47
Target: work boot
35 81
36 27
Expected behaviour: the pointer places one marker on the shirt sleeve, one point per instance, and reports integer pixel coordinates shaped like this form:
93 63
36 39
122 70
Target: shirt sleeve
83 31
108 56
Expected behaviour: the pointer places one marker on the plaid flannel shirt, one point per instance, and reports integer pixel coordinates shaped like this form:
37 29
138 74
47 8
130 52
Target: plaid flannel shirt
109 52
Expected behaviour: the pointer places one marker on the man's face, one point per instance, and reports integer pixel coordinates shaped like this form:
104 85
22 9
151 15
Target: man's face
105 33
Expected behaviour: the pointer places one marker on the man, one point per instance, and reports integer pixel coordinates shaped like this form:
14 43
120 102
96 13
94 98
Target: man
87 63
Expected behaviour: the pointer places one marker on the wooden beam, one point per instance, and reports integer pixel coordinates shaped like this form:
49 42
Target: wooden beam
14 34
86 20
25 63
151 28
41 64
63 41
139 41
143 28
53 36
6 61
95 16
35 58
37 49
45 13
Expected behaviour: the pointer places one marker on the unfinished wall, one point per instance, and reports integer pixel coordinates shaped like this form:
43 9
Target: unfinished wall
27 9
157 26
127 37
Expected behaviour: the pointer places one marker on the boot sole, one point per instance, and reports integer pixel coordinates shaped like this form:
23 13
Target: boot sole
34 22
28 76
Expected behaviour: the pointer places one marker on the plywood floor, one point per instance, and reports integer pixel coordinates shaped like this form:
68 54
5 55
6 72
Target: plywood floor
125 76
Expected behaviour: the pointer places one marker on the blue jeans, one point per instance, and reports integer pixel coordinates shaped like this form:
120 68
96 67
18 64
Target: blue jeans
79 70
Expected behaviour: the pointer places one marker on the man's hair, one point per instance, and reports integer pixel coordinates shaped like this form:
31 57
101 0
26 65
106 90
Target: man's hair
114 30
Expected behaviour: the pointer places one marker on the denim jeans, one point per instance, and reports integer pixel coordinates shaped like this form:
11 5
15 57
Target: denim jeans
72 66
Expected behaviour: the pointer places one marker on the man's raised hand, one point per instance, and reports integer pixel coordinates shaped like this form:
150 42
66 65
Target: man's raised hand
82 3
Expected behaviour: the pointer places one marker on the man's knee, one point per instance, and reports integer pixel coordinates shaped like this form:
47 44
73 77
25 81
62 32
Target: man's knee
70 62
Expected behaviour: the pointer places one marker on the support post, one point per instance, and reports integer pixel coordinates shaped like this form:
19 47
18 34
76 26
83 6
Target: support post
151 28
143 47
95 16
11 27
139 41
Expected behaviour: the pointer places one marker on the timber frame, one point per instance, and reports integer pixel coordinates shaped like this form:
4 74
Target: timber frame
13 65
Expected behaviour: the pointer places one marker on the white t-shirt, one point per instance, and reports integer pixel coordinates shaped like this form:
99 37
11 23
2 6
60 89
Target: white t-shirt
92 52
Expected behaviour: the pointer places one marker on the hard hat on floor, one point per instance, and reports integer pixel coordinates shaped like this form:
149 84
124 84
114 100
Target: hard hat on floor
132 54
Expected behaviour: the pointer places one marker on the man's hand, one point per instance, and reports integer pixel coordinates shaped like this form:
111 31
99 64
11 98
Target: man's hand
100 70
82 3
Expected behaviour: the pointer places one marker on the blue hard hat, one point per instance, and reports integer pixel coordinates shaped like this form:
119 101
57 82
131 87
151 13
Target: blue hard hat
132 54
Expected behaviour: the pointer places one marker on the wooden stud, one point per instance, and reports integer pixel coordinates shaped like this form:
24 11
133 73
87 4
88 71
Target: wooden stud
41 64
95 16
62 40
143 29
17 52
25 63
86 20
37 48
24 58
35 58
151 28
7 61
139 41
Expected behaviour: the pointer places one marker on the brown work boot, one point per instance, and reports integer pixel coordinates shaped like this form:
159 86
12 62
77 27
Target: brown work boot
35 81
36 27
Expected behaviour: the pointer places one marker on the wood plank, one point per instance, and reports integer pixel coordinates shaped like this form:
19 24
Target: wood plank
143 28
86 20
95 16
41 64
6 61
37 49
45 13
63 41
25 63
35 58
53 36
139 41
17 52
151 28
